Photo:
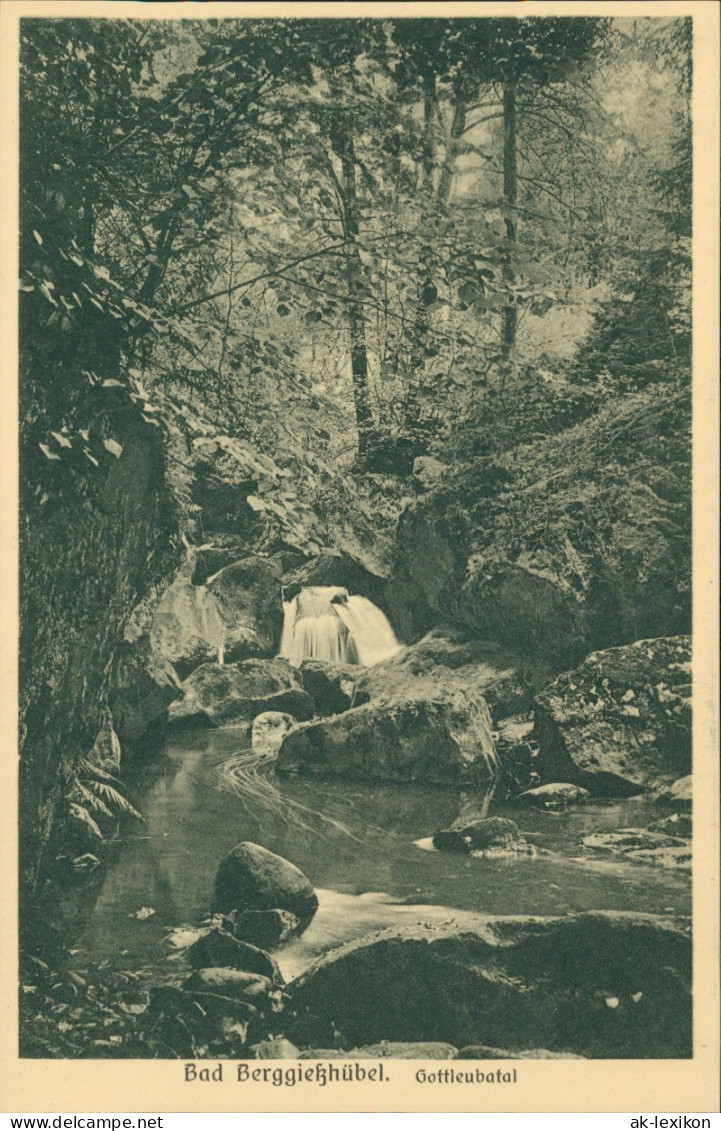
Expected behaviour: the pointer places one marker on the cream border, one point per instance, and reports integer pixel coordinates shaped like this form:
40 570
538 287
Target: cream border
544 1086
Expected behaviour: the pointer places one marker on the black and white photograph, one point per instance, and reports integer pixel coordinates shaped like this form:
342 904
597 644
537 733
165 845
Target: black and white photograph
355 539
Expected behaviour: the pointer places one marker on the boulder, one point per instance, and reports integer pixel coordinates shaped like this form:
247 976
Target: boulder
250 878
554 795
620 723
600 984
444 741
173 1001
218 949
330 686
248 599
269 729
238 611
678 795
235 694
260 991
266 929
490 836
441 663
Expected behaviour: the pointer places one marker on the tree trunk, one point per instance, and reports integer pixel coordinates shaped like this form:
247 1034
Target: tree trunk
458 125
343 146
510 195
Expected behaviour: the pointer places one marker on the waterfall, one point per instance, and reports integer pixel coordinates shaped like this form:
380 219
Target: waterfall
370 630
325 623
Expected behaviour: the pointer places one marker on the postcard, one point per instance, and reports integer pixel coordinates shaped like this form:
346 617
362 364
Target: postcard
361 440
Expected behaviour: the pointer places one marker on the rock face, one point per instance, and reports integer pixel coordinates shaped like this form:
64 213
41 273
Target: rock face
238 609
330 686
600 984
443 741
490 836
443 663
619 723
250 878
237 693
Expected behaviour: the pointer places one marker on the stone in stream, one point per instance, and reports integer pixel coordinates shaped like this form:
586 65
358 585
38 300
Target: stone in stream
269 730
266 929
554 795
257 989
441 741
643 845
219 949
606 984
620 723
489 836
235 694
250 878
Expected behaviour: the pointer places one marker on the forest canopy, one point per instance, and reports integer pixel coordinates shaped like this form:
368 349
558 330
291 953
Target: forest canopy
308 246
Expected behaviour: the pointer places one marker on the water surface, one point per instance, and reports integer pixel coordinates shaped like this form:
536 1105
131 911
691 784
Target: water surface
206 791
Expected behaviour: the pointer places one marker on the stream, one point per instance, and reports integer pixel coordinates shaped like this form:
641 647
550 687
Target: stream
365 848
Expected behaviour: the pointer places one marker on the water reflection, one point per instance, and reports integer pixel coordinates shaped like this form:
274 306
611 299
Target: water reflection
209 790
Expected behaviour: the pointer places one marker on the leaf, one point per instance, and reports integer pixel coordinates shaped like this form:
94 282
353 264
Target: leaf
47 452
111 383
255 503
113 447
38 237
90 456
142 913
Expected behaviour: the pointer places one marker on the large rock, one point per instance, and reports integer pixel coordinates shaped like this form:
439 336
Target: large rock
620 723
248 599
438 741
601 984
250 878
237 611
237 693
330 686
488 836
442 663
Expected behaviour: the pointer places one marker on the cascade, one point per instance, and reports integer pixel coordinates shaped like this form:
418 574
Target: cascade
326 623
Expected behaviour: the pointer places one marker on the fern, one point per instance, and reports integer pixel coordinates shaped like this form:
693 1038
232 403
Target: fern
115 798
94 790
